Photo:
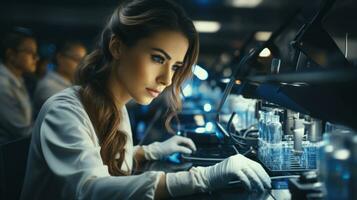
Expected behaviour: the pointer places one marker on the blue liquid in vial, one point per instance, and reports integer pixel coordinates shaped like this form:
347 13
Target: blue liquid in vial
311 153
338 178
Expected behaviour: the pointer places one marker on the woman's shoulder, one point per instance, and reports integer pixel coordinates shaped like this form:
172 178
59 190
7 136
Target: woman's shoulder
67 99
69 96
64 111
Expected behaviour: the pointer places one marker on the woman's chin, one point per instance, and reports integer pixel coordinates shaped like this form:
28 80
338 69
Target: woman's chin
144 101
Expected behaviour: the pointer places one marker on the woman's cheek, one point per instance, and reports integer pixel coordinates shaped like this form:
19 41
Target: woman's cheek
145 69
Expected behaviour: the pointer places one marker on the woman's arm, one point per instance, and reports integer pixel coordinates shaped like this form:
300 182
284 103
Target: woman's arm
66 139
161 191
139 154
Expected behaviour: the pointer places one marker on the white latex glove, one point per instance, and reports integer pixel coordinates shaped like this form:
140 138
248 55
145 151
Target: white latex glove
159 150
203 179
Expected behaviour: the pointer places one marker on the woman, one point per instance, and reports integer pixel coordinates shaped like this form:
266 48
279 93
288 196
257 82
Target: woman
82 147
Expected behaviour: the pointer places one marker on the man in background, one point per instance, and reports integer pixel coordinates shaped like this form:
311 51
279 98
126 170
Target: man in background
68 56
18 56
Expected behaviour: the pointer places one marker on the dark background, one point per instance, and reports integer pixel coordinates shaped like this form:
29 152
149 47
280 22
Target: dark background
54 20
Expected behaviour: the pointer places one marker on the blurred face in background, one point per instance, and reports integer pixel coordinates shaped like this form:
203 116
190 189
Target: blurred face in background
68 61
25 57
41 69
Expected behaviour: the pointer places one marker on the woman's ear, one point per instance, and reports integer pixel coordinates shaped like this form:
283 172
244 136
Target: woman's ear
115 46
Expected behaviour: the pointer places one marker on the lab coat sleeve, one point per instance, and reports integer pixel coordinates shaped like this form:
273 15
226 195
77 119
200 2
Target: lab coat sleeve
12 118
76 163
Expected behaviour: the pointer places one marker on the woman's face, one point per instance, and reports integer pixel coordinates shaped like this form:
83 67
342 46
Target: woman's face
147 68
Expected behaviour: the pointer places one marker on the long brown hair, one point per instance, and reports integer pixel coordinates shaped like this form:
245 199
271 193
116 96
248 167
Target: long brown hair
131 21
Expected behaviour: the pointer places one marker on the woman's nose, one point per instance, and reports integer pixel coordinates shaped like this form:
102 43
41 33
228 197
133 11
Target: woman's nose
165 77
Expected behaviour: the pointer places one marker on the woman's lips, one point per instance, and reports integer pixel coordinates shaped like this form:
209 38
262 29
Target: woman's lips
153 93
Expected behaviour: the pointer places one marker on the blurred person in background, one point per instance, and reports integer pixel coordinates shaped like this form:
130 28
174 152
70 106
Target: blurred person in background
41 68
67 57
18 56
82 145
32 79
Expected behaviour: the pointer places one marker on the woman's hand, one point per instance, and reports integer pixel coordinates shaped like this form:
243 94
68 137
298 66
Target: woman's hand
159 150
236 168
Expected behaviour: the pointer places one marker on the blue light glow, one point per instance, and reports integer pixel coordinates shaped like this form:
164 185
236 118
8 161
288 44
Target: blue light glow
207 107
187 90
174 158
209 126
200 130
200 73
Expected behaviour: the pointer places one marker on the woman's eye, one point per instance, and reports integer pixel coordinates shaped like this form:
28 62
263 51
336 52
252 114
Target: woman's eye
175 68
158 59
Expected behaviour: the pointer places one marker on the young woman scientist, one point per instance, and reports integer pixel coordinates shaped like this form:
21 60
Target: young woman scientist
81 145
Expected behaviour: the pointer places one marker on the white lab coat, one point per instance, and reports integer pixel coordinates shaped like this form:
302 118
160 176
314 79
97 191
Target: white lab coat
51 84
15 107
64 160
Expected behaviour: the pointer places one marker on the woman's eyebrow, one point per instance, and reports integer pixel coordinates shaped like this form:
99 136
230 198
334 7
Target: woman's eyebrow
165 54
180 63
